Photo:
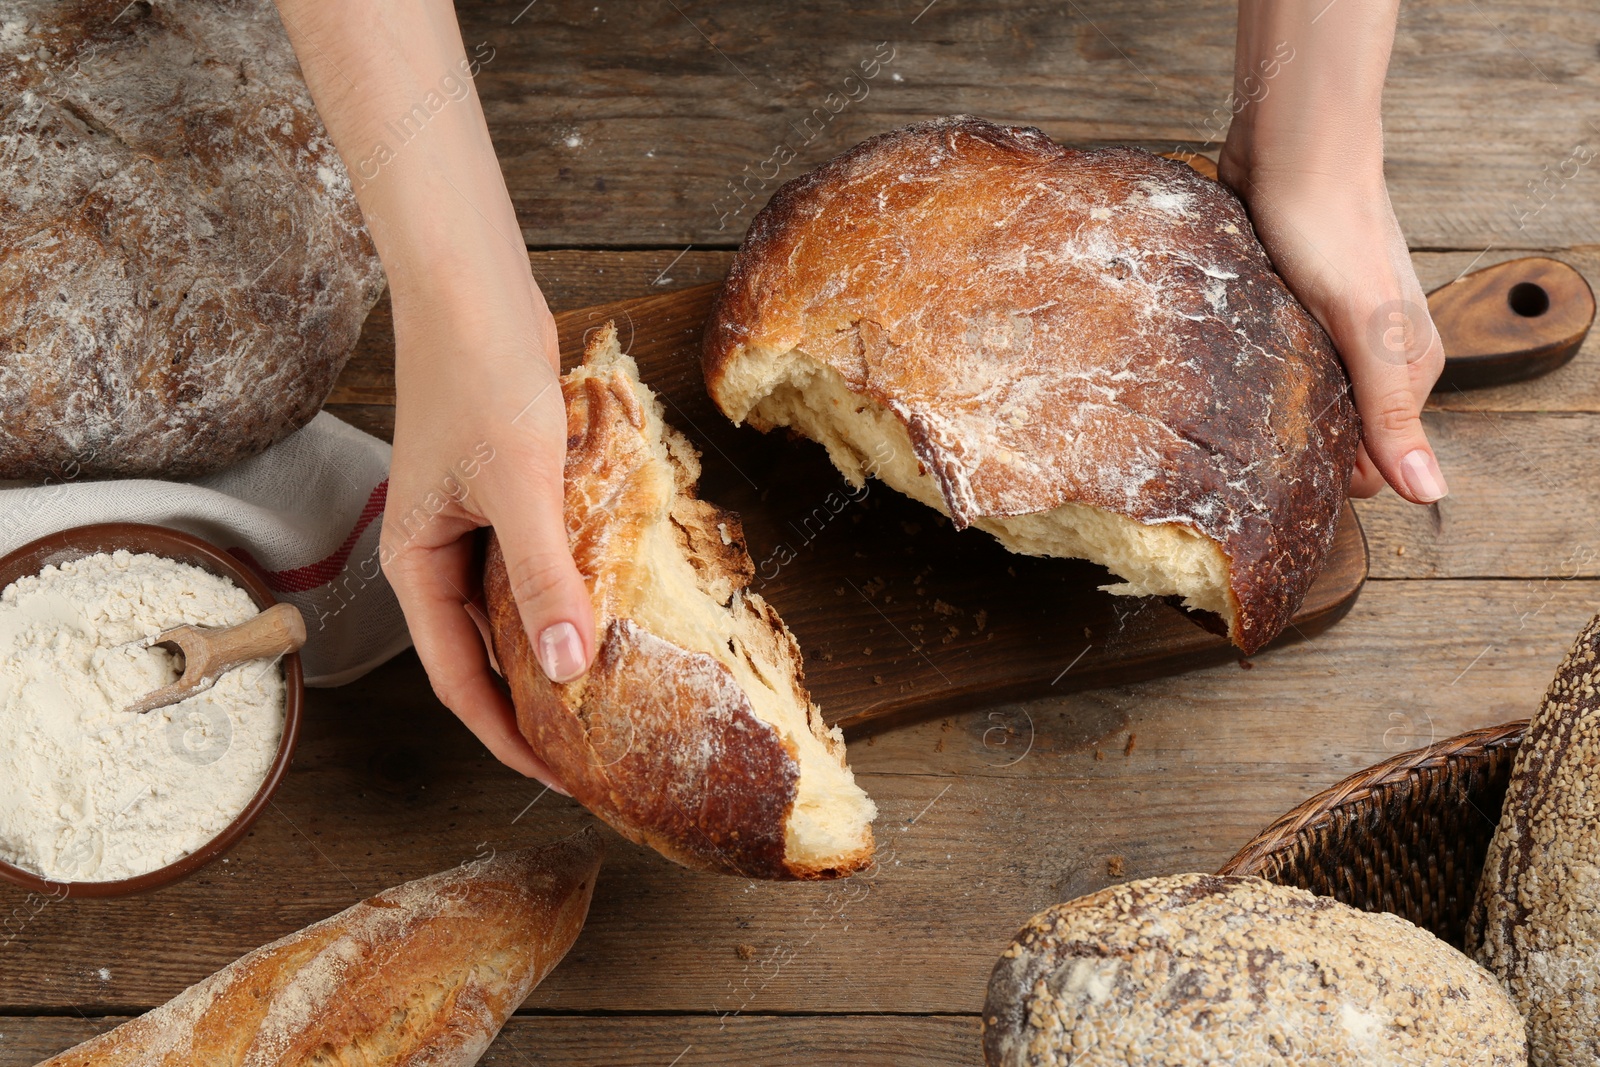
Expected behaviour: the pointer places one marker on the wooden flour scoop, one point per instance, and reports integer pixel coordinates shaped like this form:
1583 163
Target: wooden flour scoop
210 652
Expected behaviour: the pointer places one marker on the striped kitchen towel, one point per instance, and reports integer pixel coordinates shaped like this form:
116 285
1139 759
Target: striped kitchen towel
306 514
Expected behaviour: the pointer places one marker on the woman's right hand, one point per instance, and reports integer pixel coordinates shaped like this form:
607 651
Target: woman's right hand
480 427
480 440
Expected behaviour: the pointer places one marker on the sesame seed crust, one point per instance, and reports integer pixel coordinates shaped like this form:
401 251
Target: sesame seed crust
1535 924
1199 969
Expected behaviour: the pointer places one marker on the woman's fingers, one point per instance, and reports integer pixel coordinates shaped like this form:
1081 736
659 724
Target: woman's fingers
1340 250
1394 356
433 585
526 508
1366 480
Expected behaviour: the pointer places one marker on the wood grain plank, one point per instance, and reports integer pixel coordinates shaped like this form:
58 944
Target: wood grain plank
639 1041
1523 501
628 125
986 817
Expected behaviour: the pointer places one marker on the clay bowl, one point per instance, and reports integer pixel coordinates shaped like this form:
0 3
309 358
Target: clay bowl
81 541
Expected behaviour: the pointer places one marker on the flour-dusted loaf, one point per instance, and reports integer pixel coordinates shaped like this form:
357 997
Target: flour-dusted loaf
1083 353
693 731
183 266
422 975
1536 922
1203 969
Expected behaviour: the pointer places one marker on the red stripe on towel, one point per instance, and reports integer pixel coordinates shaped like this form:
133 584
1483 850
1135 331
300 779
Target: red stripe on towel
303 579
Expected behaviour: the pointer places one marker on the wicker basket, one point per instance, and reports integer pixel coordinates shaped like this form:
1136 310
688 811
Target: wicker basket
1408 835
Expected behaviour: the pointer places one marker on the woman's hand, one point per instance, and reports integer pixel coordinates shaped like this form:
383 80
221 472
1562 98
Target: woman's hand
1305 153
480 438
480 427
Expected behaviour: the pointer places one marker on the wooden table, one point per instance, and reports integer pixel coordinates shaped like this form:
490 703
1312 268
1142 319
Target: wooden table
621 128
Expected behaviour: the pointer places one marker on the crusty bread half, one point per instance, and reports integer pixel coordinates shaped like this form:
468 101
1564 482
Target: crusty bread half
1085 354
1206 969
422 975
692 732
1536 922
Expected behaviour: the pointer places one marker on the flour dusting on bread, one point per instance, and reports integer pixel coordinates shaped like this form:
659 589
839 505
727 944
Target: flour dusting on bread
186 269
681 595
692 732
1536 921
1084 353
423 974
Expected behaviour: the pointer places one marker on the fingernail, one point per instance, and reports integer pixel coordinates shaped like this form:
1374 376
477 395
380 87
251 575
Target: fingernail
1421 472
560 652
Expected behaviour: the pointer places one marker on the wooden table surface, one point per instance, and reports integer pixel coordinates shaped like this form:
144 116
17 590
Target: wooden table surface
621 128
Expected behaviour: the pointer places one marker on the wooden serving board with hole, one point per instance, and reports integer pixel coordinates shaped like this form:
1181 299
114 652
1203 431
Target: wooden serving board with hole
899 615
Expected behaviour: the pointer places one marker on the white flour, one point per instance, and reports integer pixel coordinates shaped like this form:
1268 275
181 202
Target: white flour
89 792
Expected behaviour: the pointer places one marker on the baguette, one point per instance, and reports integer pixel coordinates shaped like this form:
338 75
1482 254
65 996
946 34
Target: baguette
1536 921
1082 353
692 732
422 975
1207 969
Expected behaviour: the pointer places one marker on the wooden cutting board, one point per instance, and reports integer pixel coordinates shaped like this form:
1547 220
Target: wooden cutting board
898 615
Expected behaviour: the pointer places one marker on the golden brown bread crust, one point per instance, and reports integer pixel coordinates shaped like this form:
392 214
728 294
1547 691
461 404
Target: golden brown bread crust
1207 969
422 975
1536 922
1057 326
658 741
183 266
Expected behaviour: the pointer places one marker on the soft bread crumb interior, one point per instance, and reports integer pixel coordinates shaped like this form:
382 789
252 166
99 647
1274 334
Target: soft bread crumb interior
787 388
831 821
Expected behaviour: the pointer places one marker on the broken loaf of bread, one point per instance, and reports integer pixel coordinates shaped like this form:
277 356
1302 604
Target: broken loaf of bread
1085 354
422 975
692 732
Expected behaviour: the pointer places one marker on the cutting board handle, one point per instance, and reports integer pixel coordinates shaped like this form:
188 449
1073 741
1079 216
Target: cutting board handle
1509 322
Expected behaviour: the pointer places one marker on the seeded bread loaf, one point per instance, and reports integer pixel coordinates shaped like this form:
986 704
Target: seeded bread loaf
692 732
1082 353
1203 969
183 266
422 975
1536 923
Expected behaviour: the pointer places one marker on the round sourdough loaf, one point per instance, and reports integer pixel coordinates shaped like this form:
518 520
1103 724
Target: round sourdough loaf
692 732
1201 969
1536 922
1083 353
184 268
